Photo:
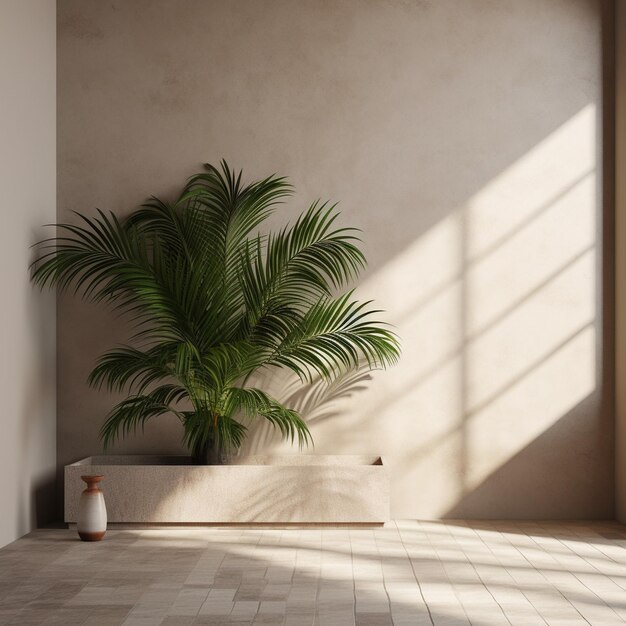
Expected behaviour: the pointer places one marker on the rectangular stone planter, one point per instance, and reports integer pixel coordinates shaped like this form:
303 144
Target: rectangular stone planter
246 490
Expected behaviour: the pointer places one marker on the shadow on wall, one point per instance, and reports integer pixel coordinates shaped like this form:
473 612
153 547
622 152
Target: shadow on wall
316 401
507 491
35 471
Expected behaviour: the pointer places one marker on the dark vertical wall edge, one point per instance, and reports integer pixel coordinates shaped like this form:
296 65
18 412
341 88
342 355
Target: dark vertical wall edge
607 249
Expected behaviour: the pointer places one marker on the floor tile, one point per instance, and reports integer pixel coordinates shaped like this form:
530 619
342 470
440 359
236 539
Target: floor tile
408 573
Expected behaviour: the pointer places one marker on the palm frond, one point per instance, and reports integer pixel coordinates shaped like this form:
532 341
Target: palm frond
131 414
254 402
299 264
106 262
335 336
129 367
212 300
223 205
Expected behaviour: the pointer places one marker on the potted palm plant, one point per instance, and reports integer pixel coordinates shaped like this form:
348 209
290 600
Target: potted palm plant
213 301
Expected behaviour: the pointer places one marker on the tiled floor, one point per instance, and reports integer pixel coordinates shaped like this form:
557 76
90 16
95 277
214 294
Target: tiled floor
407 573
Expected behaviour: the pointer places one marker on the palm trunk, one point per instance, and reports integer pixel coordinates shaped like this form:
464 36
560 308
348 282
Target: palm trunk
208 454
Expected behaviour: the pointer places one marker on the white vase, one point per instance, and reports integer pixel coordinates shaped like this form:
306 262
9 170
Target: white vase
92 512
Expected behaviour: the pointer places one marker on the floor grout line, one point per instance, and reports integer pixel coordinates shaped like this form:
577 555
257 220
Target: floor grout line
403 574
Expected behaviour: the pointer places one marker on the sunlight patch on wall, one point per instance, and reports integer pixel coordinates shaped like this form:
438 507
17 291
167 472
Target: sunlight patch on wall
514 346
530 353
496 309
530 406
533 183
495 306
532 256
418 274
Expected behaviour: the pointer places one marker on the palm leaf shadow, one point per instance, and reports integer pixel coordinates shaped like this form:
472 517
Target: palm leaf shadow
316 401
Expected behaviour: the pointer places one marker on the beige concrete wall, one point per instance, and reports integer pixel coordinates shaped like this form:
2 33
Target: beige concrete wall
464 138
28 198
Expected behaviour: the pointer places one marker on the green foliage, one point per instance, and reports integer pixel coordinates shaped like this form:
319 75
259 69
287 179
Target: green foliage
213 301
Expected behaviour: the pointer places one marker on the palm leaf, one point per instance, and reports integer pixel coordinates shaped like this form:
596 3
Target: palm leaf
334 336
133 412
254 402
128 367
212 300
299 264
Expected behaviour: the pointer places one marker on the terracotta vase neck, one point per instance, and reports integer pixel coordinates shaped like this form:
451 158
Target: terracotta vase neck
92 482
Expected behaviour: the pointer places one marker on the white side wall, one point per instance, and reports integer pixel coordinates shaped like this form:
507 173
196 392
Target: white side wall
27 318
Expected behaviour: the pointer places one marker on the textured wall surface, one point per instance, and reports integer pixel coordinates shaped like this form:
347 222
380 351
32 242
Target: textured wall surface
463 138
28 188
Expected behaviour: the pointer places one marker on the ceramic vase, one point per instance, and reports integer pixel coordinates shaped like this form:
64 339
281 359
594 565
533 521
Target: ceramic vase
92 512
